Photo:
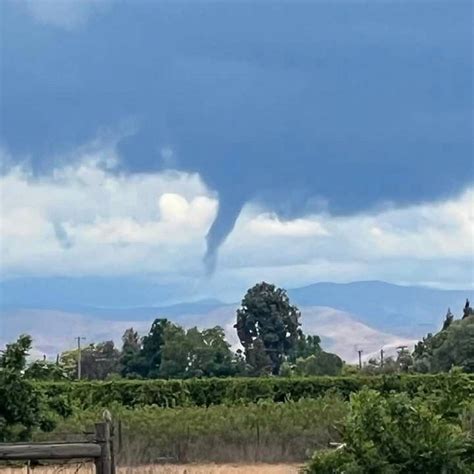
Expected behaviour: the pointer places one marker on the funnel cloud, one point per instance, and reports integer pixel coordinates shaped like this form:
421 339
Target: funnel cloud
354 105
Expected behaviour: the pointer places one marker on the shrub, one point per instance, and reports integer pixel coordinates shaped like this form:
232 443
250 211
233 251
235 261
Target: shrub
215 391
23 406
396 434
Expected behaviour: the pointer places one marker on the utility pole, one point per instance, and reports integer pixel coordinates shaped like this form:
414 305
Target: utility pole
79 359
381 357
360 358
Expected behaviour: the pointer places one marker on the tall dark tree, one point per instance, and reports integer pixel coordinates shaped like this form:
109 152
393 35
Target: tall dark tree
132 364
467 311
152 346
448 319
174 353
267 326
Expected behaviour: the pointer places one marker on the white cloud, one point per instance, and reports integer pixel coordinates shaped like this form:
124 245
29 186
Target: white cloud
65 14
112 222
431 243
433 230
86 218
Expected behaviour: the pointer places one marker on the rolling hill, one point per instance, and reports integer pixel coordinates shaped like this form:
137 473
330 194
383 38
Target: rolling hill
365 315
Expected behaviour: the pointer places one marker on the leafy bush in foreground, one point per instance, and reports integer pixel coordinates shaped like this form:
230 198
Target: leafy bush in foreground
23 407
397 434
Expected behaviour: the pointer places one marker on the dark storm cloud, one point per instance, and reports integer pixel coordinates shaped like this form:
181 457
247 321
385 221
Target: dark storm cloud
348 104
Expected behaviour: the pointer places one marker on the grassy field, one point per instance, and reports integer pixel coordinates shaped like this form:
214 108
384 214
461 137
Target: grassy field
165 469
257 432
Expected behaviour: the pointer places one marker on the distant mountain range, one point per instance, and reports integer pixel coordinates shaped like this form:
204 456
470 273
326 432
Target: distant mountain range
405 310
54 331
367 315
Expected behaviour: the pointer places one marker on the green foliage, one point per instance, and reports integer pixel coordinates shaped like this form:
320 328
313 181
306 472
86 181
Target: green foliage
267 326
13 358
23 406
193 353
44 370
98 361
449 318
404 360
286 369
403 363
350 369
467 310
453 346
323 363
131 362
170 351
174 353
305 346
263 431
211 355
396 434
152 346
215 391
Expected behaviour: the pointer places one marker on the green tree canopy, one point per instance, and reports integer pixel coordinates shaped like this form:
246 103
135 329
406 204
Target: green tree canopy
44 370
267 326
467 311
23 407
132 363
195 353
322 363
395 434
152 346
305 346
98 361
174 353
453 346
171 351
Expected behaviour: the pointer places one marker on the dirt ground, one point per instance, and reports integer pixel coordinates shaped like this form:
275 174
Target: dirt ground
215 469
165 469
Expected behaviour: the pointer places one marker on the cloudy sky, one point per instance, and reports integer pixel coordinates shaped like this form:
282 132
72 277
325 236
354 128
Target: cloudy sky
203 146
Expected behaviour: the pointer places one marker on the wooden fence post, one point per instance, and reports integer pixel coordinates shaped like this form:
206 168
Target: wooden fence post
102 437
112 448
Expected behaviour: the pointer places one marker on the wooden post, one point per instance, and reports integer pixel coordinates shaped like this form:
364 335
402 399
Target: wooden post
112 448
48 451
102 436
120 440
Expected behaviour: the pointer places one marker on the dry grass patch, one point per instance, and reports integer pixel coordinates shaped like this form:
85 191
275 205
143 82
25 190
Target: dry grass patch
163 469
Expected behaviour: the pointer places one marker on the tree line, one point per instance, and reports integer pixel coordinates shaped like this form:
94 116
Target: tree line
452 346
272 343
268 327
